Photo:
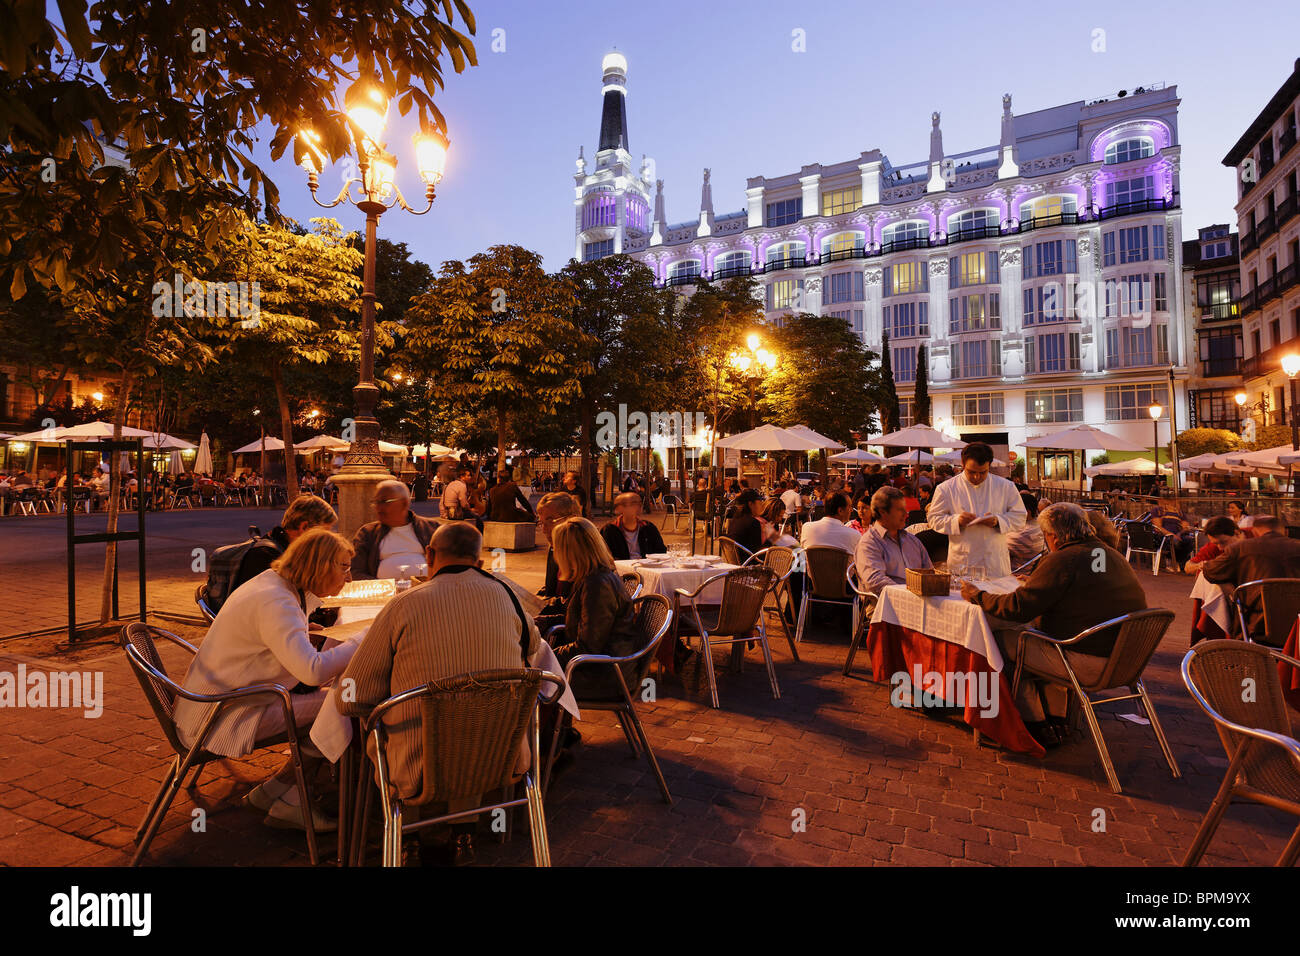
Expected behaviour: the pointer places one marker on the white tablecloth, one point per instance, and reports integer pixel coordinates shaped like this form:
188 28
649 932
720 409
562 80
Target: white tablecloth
667 580
331 732
949 617
1214 601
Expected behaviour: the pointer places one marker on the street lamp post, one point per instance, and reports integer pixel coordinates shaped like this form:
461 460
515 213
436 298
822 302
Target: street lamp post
367 110
1291 365
1155 410
759 360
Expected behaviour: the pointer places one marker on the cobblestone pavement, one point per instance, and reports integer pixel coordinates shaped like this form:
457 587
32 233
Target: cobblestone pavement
829 774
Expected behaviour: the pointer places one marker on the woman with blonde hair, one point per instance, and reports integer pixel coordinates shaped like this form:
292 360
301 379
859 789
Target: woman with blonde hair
260 636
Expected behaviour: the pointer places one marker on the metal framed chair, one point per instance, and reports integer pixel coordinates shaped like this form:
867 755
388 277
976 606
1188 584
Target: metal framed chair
1139 634
478 721
780 561
1280 599
732 551
654 617
139 642
825 582
676 509
740 614
80 499
201 599
31 501
632 583
1263 754
865 603
1028 566
1144 539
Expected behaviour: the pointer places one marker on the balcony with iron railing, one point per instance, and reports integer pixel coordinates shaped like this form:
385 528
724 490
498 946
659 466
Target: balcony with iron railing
1286 141
1249 241
1269 360
1269 289
1286 210
1216 367
1135 207
1217 311
1267 226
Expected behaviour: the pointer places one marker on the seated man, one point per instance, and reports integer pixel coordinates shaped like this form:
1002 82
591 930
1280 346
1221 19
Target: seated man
833 530
1081 582
506 502
791 498
457 498
1269 554
397 539
885 551
459 621
628 536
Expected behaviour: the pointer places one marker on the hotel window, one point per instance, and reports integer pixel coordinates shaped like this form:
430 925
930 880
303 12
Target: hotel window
1129 403
977 221
1220 351
784 212
1048 207
1217 409
905 364
1130 190
789 253
1044 304
1114 359
1057 257
599 210
597 250
1160 285
904 278
1126 297
974 313
1133 246
1053 406
973 268
732 264
904 324
975 359
1137 347
785 294
1162 344
1127 150
841 201
907 234
843 243
683 272
845 287
905 406
638 214
978 408
851 317
1107 249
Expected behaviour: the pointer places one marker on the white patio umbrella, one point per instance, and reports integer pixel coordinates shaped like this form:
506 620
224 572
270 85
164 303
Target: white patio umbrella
954 458
917 457
203 460
164 442
860 455
388 448
769 438
433 450
1083 438
1266 460
89 431
326 442
917 436
1134 466
174 464
1205 462
272 444
823 442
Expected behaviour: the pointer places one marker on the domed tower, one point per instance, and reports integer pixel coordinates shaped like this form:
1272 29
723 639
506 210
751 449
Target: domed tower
612 200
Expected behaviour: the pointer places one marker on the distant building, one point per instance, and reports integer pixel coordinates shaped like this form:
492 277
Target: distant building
1211 287
1042 272
1268 221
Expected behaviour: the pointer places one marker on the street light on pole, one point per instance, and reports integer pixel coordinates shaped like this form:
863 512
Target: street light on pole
1155 410
1291 365
367 110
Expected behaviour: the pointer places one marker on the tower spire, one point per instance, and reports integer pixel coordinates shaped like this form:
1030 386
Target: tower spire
613 112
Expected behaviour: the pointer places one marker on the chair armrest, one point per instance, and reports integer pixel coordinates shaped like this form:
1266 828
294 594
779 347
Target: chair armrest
682 592
554 630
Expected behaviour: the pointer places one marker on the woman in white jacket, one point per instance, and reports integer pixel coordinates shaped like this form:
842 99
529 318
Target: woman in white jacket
260 636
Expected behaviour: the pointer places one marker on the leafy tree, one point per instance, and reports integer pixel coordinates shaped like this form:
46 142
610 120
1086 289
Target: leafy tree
1206 441
888 404
1269 436
921 400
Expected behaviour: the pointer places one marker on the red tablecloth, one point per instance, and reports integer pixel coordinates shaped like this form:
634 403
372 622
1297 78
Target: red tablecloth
896 649
1204 627
1290 676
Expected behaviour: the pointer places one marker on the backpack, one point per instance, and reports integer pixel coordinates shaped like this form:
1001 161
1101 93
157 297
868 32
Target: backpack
224 565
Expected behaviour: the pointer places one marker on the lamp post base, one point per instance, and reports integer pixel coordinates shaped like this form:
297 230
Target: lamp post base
356 496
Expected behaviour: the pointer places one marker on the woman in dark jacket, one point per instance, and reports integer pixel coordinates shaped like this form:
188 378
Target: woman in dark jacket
744 528
599 617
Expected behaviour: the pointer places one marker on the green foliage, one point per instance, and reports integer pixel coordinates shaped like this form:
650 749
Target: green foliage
1270 436
1102 459
921 402
887 401
1206 441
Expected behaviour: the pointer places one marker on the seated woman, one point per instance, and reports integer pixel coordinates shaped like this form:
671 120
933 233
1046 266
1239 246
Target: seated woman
598 617
862 508
909 496
770 522
260 636
1221 531
744 527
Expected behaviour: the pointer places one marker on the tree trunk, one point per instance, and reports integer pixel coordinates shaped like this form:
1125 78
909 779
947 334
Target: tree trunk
586 436
502 423
114 495
286 433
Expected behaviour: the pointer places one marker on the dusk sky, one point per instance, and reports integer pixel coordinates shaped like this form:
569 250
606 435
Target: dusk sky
718 84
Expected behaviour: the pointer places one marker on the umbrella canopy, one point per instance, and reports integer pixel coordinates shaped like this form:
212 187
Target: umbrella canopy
1134 466
1289 457
917 457
954 458
1083 438
918 436
859 455
272 444
90 431
388 448
165 442
769 438
174 464
203 460
1268 460
434 450
803 431
1206 462
328 442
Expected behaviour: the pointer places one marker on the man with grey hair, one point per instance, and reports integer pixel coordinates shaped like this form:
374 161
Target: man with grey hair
459 621
885 551
398 539
1081 582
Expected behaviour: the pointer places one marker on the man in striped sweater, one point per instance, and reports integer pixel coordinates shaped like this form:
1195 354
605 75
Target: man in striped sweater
459 621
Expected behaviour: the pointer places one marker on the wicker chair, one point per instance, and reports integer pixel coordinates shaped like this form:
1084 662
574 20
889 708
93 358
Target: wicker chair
201 599
865 604
1264 756
744 591
1280 598
1145 539
825 583
653 618
781 561
139 642
732 551
632 583
470 729
1139 634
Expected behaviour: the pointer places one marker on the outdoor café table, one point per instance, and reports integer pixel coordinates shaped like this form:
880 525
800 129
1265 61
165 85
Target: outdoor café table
1210 620
948 635
666 575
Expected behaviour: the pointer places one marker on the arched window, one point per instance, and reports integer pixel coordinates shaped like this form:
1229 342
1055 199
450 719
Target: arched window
598 210
907 235
731 264
1053 209
973 222
843 245
786 254
684 272
638 214
1126 150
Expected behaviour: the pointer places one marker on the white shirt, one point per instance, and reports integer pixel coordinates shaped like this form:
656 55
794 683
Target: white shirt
456 494
829 532
399 547
983 545
790 498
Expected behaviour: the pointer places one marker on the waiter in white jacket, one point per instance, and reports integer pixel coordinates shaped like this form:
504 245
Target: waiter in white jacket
976 511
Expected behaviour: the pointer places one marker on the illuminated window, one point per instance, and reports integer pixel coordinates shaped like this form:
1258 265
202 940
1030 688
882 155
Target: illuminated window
785 294
1048 207
976 221
786 252
841 200
1054 405
908 277
1127 150
1129 403
843 243
978 408
907 235
972 268
599 210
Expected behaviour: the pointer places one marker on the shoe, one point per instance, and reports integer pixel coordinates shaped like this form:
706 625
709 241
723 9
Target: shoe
462 850
1043 732
282 816
259 799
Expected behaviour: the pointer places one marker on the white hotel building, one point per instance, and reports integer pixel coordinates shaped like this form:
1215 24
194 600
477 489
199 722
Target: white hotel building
1043 273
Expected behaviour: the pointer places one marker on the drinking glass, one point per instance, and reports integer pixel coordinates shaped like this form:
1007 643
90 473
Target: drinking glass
976 573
